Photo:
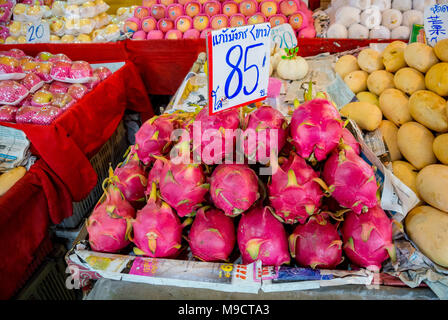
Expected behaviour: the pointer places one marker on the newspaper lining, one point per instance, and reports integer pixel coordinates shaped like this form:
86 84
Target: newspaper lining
14 149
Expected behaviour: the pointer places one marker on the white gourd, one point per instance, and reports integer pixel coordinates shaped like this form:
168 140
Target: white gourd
392 18
292 69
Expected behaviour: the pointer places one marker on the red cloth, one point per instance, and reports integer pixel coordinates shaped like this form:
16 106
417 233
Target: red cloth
85 127
25 214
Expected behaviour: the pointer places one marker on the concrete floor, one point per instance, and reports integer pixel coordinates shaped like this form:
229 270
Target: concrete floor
106 289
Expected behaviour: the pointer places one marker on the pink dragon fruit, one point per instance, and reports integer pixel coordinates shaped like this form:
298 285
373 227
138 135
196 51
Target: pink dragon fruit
46 115
59 87
154 174
351 181
77 91
8 113
234 188
25 114
109 224
349 140
80 70
32 82
293 191
131 179
60 70
212 129
316 244
261 122
212 235
316 128
183 186
153 138
262 237
157 229
368 238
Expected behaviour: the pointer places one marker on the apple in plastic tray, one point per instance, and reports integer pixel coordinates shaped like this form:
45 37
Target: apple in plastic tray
8 113
41 98
77 91
32 82
12 92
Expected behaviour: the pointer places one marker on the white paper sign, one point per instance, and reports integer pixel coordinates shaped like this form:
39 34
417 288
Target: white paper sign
436 23
283 36
238 66
38 32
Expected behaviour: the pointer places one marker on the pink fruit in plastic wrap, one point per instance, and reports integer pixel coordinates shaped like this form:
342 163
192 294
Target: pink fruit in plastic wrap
293 191
165 25
201 22
191 34
44 56
81 70
59 57
77 91
175 10
234 188
62 100
173 35
307 32
8 113
28 64
102 73
316 244
12 92
192 9
4 32
155 35
248 7
237 20
9 65
46 115
15 53
212 8
41 98
261 122
183 186
139 35
351 181
349 141
93 82
148 24
212 235
368 238
158 11
109 224
157 229
229 8
61 70
25 114
262 237
153 138
289 7
58 87
269 8
43 70
131 179
141 12
32 82
316 128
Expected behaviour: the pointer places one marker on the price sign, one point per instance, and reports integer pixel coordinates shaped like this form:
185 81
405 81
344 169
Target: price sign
436 23
283 36
238 66
38 33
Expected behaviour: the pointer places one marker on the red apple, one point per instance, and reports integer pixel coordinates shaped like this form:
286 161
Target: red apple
183 23
268 8
165 25
296 20
132 25
248 7
155 35
139 35
229 8
256 18
141 12
237 20
277 20
166 2
191 34
173 35
219 21
148 24
192 9
212 7
204 33
201 22
288 7
175 10
158 11
148 3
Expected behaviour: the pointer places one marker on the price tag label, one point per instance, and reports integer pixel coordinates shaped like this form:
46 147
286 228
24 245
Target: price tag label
436 23
38 33
283 36
238 66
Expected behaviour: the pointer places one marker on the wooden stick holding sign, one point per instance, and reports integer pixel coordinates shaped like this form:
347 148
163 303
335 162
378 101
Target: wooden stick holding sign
238 66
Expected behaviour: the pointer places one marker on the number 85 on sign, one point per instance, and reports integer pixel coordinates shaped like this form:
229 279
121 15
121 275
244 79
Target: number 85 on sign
238 63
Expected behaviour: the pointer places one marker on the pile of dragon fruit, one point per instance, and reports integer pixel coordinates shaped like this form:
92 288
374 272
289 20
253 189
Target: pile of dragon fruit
39 89
317 209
